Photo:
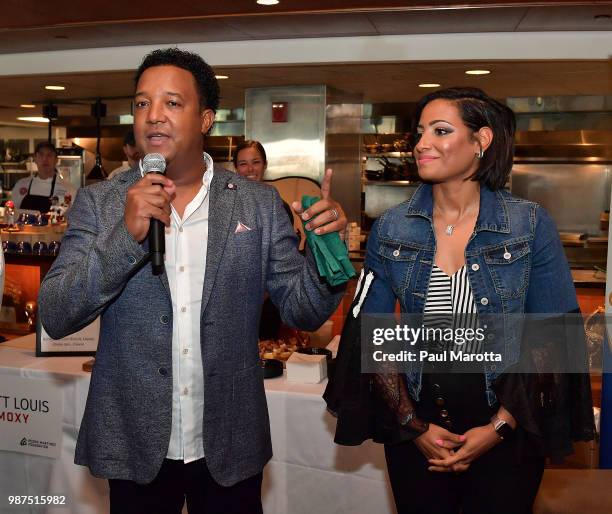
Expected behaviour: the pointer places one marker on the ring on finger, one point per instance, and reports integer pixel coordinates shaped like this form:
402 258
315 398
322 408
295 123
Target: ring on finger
335 214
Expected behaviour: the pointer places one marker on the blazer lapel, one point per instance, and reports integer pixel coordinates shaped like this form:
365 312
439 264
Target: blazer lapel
220 214
124 181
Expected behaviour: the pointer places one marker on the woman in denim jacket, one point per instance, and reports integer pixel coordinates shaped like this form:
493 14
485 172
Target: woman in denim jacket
477 444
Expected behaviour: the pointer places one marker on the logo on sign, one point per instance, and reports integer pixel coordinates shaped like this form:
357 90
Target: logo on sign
23 442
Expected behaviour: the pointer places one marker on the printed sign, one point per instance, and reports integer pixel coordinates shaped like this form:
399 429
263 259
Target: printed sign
83 342
31 413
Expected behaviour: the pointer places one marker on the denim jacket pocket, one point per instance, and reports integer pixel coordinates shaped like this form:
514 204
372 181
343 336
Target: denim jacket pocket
508 265
398 260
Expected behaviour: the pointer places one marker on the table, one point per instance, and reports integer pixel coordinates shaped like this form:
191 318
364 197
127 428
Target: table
308 472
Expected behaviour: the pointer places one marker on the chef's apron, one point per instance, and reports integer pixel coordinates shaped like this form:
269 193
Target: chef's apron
38 202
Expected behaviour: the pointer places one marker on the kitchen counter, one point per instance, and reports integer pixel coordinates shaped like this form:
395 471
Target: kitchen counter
589 278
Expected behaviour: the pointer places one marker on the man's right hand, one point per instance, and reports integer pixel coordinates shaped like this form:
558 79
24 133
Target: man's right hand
148 198
438 441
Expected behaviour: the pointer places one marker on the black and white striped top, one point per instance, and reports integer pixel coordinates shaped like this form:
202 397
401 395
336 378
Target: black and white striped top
450 302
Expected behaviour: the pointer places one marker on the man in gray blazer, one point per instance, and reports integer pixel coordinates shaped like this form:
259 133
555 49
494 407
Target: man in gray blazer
176 407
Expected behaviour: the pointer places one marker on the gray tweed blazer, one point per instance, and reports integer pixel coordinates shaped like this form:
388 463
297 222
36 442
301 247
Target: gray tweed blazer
102 270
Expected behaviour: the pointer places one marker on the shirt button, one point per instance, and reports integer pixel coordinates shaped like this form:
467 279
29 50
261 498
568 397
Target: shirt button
439 401
162 371
182 268
164 319
180 229
475 267
484 301
444 413
185 391
185 351
131 259
183 309
396 253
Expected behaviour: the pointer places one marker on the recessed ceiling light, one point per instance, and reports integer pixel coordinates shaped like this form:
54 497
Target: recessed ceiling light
37 119
429 85
27 106
477 72
267 2
222 77
56 88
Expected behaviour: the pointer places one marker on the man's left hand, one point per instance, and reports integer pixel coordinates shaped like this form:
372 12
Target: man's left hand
326 215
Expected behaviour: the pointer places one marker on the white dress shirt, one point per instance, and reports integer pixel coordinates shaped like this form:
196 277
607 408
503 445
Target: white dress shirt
185 261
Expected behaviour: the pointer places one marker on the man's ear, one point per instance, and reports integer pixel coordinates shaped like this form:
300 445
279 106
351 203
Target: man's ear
207 117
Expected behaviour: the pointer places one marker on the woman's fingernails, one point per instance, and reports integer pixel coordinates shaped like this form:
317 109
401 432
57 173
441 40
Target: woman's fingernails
461 438
439 442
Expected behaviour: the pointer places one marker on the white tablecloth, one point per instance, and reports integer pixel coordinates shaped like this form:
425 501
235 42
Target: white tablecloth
307 474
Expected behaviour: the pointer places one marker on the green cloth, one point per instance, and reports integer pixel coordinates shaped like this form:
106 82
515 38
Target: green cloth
329 251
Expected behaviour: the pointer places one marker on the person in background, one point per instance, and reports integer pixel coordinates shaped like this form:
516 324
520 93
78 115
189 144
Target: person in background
132 153
250 161
35 193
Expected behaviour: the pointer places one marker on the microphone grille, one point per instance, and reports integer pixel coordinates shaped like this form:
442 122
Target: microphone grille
154 163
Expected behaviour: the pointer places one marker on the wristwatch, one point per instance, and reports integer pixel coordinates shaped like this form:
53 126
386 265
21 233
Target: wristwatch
502 428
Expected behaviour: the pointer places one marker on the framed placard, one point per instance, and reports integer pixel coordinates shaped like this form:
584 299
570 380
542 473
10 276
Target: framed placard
84 342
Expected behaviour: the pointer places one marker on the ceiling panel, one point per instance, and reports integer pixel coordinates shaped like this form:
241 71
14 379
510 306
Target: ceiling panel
35 13
567 18
313 25
453 21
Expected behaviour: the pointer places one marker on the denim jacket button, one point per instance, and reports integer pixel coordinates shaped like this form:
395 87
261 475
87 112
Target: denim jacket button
475 267
484 301
396 253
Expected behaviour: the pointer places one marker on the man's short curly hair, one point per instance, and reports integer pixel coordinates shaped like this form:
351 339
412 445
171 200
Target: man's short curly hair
203 74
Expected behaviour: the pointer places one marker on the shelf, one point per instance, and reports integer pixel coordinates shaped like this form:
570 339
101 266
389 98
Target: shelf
401 183
388 154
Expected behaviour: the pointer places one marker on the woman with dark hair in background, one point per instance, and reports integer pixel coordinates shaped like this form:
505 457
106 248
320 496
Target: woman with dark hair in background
463 248
250 161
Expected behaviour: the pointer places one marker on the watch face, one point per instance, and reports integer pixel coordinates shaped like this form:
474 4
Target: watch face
504 430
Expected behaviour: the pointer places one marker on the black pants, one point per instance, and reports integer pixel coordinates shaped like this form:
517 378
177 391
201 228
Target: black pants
494 483
177 482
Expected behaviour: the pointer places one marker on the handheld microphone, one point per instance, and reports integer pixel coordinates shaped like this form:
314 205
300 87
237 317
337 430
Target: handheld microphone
156 163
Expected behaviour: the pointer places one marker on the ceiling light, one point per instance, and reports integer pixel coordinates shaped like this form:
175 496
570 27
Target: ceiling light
429 85
37 119
267 2
27 106
477 72
55 88
222 77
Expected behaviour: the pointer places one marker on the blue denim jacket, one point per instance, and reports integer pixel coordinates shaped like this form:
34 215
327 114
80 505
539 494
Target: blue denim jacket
535 278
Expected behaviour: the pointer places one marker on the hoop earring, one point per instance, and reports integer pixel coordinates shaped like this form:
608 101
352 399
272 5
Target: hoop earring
480 154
